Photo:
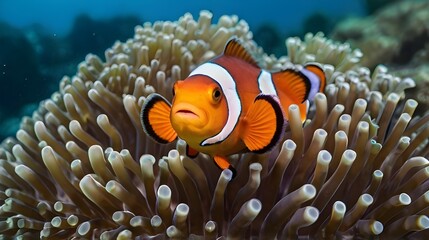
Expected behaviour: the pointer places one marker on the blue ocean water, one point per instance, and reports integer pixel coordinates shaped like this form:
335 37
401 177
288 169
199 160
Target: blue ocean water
40 41
57 16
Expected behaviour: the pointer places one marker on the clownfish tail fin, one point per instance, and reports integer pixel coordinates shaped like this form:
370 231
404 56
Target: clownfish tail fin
319 81
294 84
301 85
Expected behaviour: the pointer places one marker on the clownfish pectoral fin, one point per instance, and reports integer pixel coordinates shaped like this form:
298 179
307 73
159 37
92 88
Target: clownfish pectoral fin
234 48
223 164
190 152
155 117
264 124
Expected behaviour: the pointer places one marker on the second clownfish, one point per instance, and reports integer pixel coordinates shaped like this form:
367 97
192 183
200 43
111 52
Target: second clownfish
229 105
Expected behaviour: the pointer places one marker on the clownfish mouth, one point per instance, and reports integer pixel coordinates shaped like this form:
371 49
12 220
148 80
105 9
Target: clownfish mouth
186 113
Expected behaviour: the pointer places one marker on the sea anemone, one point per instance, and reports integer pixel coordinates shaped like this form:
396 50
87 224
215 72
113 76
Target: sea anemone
82 167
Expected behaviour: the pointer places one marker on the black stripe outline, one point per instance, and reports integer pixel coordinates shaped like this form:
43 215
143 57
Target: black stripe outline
280 121
307 81
320 88
144 116
272 81
239 99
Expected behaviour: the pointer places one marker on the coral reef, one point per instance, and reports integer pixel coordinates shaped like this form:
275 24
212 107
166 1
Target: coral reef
396 36
81 166
393 35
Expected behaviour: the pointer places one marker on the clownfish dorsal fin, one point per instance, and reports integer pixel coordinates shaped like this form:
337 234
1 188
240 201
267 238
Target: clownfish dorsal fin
234 48
264 124
155 118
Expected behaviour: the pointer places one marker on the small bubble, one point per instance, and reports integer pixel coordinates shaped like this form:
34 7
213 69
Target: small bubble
55 34
93 34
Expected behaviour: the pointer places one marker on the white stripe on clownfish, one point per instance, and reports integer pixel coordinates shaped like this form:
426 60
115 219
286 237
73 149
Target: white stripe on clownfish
261 126
265 83
228 86
229 89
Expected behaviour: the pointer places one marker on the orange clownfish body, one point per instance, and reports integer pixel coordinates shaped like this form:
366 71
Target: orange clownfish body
229 105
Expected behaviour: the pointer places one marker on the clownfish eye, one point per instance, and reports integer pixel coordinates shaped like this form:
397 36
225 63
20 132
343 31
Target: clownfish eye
216 94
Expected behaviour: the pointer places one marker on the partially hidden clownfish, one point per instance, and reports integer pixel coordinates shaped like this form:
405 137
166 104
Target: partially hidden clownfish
229 105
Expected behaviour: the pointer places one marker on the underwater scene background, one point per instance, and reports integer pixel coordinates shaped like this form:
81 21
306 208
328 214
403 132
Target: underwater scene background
76 163
51 38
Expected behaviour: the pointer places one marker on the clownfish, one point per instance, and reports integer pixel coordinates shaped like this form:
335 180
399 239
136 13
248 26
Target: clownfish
229 105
